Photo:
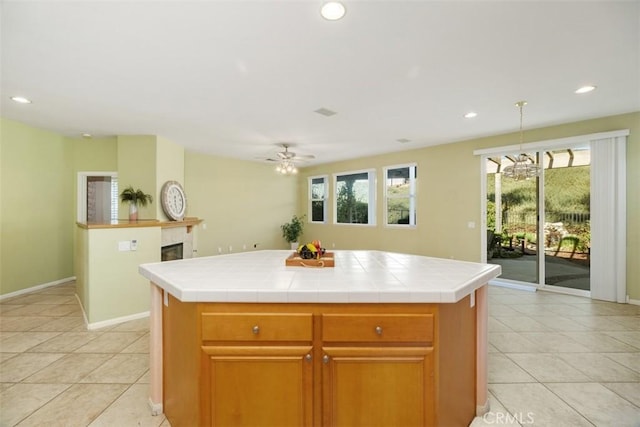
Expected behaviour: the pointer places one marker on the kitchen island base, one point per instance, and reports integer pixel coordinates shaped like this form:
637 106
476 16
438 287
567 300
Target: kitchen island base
320 364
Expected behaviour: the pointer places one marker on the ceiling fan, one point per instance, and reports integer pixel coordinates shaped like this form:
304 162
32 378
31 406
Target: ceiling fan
286 160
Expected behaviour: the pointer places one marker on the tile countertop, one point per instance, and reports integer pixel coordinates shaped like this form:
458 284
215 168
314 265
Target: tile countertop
358 276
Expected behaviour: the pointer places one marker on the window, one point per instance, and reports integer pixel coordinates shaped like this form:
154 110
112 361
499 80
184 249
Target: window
355 198
318 199
400 195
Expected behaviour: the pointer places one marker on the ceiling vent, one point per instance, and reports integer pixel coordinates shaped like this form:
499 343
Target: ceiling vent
403 140
325 112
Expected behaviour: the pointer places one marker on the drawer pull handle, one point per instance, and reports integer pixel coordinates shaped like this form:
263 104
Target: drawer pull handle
325 358
256 330
379 330
308 357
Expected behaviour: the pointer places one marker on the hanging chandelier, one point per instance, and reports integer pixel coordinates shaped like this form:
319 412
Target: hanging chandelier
286 167
523 166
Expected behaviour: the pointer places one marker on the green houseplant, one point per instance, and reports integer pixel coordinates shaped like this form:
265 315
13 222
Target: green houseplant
135 198
292 230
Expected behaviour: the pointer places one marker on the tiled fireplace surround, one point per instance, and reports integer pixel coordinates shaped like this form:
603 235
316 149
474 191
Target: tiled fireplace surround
175 235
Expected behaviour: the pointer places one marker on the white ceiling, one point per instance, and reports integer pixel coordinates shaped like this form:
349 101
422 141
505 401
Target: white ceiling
234 78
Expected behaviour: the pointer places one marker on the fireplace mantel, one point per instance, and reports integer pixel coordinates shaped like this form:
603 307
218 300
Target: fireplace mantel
188 222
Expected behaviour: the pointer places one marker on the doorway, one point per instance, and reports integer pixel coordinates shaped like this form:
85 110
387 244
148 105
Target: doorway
539 228
601 246
97 197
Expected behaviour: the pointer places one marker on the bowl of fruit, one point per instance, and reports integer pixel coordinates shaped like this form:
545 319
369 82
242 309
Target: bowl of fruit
311 254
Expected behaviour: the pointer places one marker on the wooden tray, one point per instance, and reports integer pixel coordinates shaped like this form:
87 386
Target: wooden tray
294 260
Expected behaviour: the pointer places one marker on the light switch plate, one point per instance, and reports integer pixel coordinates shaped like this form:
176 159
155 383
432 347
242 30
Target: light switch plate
124 246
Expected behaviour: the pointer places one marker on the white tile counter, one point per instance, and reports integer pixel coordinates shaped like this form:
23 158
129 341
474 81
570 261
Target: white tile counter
358 276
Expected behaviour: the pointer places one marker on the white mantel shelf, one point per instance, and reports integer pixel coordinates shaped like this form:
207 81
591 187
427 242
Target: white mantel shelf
358 277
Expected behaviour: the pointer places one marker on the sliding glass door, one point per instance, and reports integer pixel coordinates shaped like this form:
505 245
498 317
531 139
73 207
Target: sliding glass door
538 229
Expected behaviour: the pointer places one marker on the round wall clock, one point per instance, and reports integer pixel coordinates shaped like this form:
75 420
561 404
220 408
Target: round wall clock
173 199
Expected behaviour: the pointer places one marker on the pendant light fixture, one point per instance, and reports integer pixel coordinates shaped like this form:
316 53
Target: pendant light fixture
523 166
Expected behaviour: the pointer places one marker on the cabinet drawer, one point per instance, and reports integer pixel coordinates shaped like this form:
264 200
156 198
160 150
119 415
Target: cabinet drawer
377 327
257 327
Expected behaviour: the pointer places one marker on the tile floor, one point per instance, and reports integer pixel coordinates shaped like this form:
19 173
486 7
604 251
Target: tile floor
555 360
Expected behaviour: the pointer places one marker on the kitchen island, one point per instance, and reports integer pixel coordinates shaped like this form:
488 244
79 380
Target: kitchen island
379 339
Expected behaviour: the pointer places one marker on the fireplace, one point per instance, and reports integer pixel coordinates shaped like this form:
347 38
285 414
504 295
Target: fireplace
171 252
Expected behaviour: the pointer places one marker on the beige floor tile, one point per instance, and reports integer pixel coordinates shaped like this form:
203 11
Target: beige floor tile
495 325
498 415
65 342
121 368
629 391
66 289
139 346
7 356
566 310
598 404
165 423
493 349
145 379
22 323
130 409
537 403
504 370
560 323
599 323
110 342
629 360
30 310
522 324
630 322
3 387
23 341
511 342
502 310
69 369
599 342
553 342
631 337
21 400
532 309
6 308
547 367
133 326
61 324
79 405
61 310
21 366
600 368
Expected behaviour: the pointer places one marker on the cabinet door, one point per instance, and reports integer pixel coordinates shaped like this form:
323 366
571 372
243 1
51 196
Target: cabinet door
378 386
257 386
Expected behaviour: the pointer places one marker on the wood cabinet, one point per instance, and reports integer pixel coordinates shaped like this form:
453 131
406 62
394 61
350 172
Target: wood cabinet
377 370
318 365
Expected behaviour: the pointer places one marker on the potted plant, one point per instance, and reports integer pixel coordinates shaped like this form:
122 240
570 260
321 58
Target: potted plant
291 231
135 198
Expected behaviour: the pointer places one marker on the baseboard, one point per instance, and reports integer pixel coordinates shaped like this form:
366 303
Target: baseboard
511 285
634 301
115 321
482 409
156 408
37 288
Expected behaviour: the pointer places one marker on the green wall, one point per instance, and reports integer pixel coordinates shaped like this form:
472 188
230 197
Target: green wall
449 198
137 168
242 203
170 167
37 207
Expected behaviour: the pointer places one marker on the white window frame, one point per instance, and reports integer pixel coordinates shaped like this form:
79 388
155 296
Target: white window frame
371 207
324 199
413 167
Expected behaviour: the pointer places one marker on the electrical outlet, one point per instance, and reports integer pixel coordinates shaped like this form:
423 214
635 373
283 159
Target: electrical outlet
244 247
219 250
230 248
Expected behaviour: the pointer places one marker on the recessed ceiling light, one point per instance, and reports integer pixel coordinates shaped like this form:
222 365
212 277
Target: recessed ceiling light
332 10
586 89
470 115
87 135
21 99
